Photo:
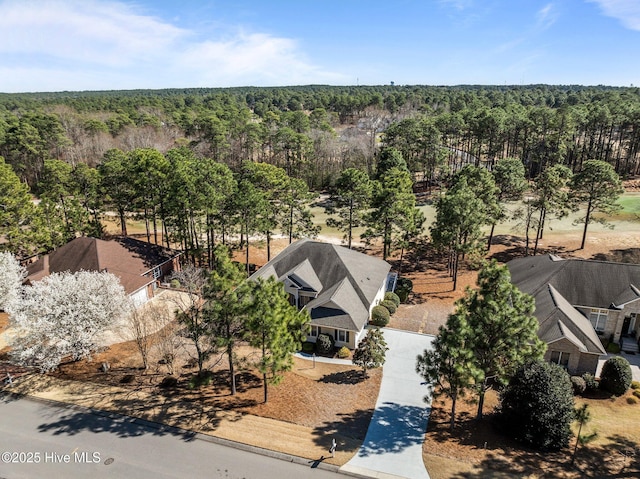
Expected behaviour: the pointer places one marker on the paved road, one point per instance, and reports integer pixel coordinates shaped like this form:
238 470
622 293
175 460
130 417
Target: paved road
393 444
121 447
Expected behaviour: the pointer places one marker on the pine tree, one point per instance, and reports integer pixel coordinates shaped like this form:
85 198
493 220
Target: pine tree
371 351
227 296
450 362
275 328
349 201
598 186
503 330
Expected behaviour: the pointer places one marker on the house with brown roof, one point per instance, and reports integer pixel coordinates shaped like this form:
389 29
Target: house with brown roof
338 286
139 266
579 304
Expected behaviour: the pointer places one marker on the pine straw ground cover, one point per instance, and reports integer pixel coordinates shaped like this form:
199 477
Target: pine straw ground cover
475 449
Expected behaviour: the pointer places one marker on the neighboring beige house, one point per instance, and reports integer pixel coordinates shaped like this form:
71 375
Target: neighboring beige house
579 304
139 266
338 286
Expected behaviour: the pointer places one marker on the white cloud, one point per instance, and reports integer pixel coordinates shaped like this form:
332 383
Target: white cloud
458 4
547 16
91 44
627 11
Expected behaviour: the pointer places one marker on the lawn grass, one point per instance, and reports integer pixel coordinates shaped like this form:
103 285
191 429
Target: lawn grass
612 419
630 203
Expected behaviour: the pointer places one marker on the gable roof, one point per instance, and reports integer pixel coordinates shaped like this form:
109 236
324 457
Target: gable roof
346 281
127 258
336 308
559 285
595 284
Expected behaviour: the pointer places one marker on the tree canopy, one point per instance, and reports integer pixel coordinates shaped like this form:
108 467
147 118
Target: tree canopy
63 315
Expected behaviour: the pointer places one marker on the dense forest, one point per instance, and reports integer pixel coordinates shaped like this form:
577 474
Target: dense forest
176 157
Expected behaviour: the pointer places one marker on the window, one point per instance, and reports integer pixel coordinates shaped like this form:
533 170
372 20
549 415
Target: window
303 300
342 336
314 331
561 358
598 318
157 272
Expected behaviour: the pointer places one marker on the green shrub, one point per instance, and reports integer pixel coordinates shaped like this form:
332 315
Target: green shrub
380 316
325 343
591 382
389 296
616 375
404 286
632 400
636 393
537 406
390 305
344 353
579 385
174 283
635 385
308 347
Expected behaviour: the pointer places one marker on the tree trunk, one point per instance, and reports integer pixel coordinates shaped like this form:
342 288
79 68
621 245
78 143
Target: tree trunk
480 403
350 233
266 393
575 449
452 421
232 371
586 224
539 231
291 224
493 227
123 222
455 270
268 246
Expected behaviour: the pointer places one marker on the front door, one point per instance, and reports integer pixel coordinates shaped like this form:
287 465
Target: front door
628 324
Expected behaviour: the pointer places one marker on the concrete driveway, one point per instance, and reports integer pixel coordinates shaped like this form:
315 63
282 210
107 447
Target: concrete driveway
393 444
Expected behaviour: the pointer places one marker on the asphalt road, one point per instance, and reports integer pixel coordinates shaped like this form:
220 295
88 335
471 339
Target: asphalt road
38 440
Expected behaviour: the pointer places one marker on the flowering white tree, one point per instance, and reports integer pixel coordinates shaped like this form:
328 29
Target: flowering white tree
62 315
11 276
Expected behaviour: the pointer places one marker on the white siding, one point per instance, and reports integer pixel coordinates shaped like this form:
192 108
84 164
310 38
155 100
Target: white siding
379 295
139 297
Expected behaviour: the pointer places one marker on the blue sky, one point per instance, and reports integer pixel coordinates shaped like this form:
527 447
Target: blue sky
54 45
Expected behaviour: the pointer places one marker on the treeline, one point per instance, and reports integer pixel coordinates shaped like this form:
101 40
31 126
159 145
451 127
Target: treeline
183 200
195 203
315 132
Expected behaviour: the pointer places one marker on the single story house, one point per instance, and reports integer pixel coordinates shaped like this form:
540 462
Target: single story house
338 286
139 266
579 304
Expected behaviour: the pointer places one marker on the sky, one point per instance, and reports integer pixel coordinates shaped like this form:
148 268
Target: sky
75 45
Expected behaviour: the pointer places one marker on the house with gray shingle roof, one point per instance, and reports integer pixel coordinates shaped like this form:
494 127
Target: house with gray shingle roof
139 266
338 286
579 303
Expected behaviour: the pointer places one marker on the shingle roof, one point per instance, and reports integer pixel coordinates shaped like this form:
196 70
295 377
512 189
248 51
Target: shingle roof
339 299
126 258
596 284
558 285
347 281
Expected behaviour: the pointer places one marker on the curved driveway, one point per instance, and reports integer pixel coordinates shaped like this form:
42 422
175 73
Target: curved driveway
393 444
